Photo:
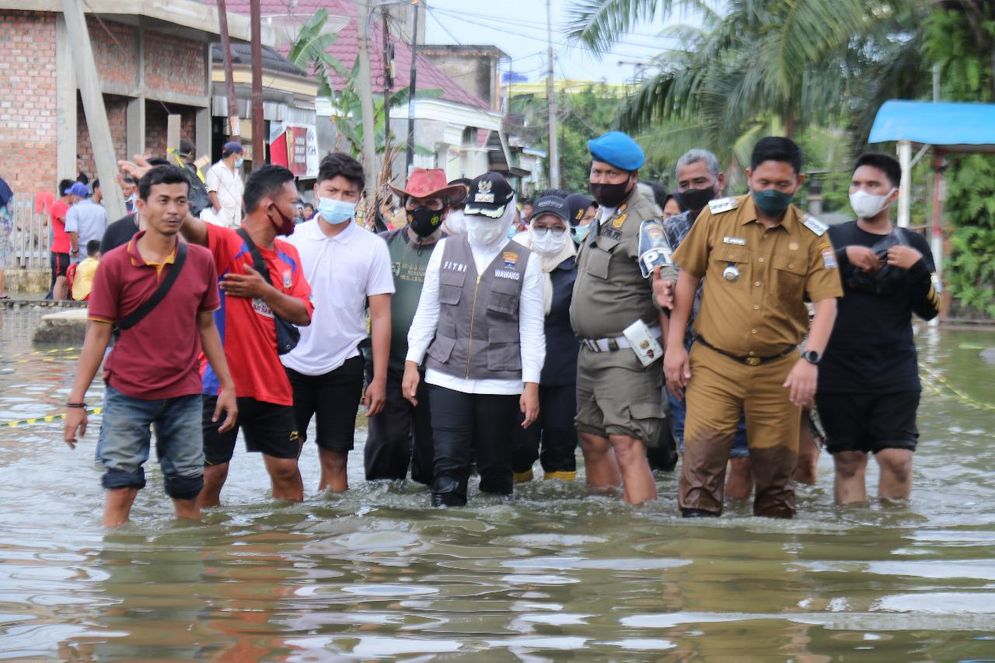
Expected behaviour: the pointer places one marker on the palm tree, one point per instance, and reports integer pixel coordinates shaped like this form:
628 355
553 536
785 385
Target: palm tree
764 65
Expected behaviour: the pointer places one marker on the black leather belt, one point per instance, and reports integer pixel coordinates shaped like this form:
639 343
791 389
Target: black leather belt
749 360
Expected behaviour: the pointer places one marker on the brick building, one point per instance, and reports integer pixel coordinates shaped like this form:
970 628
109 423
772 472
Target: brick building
153 60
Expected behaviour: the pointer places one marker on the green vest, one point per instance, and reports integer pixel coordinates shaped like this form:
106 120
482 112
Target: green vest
408 263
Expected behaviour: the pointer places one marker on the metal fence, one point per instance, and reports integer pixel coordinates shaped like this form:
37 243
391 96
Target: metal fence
30 237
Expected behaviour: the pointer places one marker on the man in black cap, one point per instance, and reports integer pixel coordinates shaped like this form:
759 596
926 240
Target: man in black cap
479 329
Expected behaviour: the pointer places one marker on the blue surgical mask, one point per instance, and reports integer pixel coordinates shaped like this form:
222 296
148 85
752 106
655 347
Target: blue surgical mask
336 211
238 162
580 233
512 231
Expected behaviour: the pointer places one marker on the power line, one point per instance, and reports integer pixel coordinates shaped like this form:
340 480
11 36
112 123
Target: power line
561 44
431 12
462 15
556 26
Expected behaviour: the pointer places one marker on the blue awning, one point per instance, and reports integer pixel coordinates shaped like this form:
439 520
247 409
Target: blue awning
952 126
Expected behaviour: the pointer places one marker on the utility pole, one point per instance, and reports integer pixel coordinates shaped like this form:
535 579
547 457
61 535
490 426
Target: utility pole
507 89
411 89
366 102
554 148
93 107
233 128
388 86
258 122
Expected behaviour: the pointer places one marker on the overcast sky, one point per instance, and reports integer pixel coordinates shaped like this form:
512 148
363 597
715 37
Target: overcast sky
518 27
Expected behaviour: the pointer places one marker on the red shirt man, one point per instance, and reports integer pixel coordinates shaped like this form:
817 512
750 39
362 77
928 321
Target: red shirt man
247 323
59 257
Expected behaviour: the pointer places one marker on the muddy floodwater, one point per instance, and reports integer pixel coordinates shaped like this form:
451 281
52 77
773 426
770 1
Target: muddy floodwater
552 574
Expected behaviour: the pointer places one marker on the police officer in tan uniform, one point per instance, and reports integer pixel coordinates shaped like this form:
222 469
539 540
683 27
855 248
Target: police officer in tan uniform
761 257
619 399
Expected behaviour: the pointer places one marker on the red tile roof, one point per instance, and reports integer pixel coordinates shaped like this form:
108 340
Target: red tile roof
346 47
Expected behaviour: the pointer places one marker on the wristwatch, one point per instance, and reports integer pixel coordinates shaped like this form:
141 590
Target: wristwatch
812 357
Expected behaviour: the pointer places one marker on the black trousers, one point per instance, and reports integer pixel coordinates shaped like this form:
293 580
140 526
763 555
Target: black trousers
467 428
399 435
553 432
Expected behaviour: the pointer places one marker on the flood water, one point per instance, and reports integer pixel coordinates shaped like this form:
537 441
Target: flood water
552 574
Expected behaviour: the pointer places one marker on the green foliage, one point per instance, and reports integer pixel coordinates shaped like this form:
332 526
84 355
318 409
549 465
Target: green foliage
582 115
962 42
762 67
963 47
309 51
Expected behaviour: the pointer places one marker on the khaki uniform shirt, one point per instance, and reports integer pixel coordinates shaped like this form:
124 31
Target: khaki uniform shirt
761 311
610 292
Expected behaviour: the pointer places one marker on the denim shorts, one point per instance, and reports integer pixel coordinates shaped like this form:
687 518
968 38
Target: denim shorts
678 410
179 442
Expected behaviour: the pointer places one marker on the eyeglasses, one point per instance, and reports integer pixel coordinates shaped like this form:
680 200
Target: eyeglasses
434 204
541 232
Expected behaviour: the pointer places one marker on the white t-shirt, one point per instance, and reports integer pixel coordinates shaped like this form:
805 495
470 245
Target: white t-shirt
342 271
229 187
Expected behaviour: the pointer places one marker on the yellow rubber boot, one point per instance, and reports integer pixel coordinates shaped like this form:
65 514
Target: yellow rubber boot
561 475
523 477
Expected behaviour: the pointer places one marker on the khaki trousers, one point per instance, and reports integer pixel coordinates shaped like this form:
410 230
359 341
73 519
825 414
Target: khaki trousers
720 389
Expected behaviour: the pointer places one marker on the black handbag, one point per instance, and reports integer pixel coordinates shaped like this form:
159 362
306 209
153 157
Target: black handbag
287 333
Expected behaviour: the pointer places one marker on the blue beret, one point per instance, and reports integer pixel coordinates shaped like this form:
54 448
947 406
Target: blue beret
618 149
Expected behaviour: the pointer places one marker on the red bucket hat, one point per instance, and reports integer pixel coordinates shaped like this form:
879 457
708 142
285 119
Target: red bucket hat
430 183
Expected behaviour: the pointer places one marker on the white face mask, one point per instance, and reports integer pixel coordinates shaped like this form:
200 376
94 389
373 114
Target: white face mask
483 231
454 223
547 242
867 205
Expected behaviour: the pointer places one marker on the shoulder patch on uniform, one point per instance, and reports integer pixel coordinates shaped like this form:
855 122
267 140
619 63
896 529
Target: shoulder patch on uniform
652 226
816 226
720 205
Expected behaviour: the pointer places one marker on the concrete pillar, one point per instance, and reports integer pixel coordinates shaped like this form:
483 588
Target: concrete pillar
65 104
203 128
93 105
136 126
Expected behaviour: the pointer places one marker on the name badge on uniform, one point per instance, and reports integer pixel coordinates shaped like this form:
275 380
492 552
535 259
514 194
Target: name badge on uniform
736 241
720 205
646 347
816 226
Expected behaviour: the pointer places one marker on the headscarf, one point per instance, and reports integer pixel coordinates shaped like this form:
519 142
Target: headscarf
549 263
504 221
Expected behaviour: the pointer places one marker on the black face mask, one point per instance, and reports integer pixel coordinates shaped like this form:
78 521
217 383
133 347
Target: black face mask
286 226
610 195
424 221
695 199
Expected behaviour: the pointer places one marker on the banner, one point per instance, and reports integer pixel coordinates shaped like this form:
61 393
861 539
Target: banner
296 147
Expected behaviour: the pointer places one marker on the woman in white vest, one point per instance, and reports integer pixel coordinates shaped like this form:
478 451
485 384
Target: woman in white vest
479 330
